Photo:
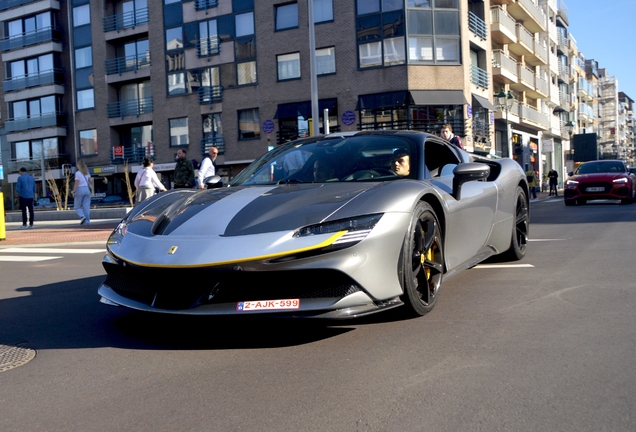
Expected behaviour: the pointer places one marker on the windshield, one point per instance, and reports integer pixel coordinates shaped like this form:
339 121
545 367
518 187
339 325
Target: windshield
335 159
601 167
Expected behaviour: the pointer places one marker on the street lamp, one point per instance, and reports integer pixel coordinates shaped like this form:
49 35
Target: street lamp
569 128
504 102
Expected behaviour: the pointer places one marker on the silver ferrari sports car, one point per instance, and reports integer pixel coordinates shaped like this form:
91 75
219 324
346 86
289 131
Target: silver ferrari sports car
334 226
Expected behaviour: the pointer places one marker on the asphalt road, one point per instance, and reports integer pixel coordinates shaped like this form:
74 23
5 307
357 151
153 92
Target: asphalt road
547 346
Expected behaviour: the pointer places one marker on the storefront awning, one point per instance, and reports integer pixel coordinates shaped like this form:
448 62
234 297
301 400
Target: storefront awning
303 109
438 97
381 100
484 102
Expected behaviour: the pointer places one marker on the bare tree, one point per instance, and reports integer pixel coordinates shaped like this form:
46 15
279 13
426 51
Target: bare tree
127 180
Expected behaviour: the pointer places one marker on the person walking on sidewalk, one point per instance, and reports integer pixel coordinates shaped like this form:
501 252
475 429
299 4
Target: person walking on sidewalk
531 176
553 176
26 191
147 181
82 193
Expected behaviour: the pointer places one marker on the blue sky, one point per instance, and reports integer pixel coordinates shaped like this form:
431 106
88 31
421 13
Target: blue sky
606 32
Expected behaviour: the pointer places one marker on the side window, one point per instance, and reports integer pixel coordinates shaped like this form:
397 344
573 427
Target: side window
437 155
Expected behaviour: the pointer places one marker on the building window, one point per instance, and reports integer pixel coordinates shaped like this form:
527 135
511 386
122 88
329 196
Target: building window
179 132
88 142
323 11
176 84
286 16
370 54
244 24
246 73
249 124
209 38
81 15
85 99
83 57
288 66
174 38
394 51
21 69
29 24
33 107
326 61
433 31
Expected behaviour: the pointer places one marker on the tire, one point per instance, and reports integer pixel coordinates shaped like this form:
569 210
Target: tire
422 261
519 237
581 201
569 202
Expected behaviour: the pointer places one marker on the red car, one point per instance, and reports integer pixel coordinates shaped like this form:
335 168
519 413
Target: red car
600 179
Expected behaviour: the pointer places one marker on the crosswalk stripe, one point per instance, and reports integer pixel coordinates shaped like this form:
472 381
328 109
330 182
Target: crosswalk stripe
51 250
22 258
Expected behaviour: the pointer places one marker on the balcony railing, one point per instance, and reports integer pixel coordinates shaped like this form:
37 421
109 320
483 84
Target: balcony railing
503 61
130 154
540 50
529 113
586 111
205 4
48 34
35 163
477 25
120 65
35 122
130 107
527 76
534 10
208 46
430 126
126 20
562 11
498 15
524 36
217 142
479 76
210 94
54 76
541 85
563 43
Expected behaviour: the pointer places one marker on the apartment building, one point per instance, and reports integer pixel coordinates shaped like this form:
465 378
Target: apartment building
628 127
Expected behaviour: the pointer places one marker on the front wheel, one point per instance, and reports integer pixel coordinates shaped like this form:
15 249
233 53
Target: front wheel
422 261
519 237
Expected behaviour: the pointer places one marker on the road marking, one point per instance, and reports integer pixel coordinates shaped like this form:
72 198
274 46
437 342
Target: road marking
504 266
22 258
51 250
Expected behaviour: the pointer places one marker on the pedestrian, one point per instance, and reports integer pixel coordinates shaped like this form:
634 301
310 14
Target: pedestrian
207 168
147 181
531 176
82 193
26 192
447 134
183 171
553 177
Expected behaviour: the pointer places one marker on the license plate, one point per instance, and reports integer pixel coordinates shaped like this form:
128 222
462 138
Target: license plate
260 305
595 189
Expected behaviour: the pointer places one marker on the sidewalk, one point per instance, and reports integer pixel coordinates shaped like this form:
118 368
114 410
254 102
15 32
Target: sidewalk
60 232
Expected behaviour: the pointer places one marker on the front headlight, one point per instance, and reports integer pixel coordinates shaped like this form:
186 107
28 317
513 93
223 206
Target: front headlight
620 180
118 234
355 229
571 183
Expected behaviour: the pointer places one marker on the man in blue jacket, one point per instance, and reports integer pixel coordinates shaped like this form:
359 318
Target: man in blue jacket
26 191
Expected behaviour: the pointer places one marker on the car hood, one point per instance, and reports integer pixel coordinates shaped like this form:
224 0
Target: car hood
240 211
598 177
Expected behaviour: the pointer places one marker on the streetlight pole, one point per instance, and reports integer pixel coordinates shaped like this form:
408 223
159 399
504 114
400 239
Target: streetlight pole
313 81
569 127
504 102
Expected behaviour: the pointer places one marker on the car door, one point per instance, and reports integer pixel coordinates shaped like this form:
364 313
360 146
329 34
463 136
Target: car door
469 219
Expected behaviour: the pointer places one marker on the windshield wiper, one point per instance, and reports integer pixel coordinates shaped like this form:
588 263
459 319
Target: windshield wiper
289 181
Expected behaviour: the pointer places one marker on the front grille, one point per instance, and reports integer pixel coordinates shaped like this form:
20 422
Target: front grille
606 188
178 289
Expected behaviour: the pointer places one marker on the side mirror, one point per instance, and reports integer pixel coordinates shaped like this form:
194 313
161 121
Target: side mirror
471 171
213 182
571 173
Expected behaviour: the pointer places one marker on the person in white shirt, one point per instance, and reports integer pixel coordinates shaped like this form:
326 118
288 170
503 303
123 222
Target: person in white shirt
147 181
207 168
82 190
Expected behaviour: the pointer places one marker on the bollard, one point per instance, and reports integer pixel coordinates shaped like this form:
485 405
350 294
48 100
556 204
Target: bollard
3 229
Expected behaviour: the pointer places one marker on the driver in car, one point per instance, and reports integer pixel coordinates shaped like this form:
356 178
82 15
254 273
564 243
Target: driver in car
401 163
323 170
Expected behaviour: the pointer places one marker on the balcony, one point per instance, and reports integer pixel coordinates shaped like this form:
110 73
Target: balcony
10 4
562 12
479 76
526 79
126 20
585 90
133 63
586 113
35 122
528 12
530 116
541 88
477 26
504 67
502 26
563 44
129 154
207 47
35 163
205 4
130 107
539 56
48 34
217 142
210 94
54 76
525 41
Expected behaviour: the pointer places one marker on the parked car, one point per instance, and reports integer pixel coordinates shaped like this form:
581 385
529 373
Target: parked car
600 179
364 222
111 200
